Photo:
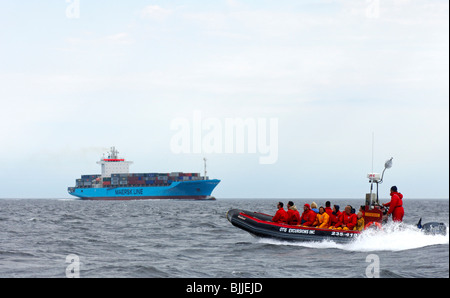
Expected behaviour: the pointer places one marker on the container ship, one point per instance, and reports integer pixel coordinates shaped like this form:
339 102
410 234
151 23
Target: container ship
116 183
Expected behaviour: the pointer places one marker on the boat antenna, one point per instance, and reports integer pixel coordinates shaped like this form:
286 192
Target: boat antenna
371 181
373 141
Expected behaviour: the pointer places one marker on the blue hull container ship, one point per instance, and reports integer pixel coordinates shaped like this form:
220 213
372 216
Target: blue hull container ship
116 183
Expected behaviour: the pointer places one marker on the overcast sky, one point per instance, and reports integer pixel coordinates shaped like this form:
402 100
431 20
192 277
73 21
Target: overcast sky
77 77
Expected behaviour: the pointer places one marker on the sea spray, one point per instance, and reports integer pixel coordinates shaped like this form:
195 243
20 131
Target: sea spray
393 237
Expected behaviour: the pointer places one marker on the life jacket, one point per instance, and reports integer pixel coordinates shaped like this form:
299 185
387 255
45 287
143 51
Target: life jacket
334 217
396 206
348 219
308 217
281 216
322 220
399 202
359 224
293 216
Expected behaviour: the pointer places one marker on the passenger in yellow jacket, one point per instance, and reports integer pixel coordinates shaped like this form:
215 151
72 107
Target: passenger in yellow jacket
322 219
359 223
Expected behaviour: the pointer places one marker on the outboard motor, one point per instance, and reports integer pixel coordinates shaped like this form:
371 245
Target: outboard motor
432 228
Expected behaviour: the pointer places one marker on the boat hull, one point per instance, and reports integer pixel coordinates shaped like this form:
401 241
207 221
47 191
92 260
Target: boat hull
260 225
186 190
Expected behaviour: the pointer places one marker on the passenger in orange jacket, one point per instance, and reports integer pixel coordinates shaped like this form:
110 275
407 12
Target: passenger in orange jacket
293 216
308 216
281 216
322 219
347 219
396 205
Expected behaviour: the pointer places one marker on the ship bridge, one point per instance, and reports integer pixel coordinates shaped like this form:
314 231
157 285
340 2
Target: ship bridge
113 164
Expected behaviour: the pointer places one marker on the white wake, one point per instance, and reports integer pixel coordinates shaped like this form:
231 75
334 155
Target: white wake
393 237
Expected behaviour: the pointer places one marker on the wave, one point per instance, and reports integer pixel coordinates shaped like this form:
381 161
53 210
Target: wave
393 237
396 237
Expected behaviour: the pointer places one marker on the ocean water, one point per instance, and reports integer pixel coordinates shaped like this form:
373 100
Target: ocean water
190 239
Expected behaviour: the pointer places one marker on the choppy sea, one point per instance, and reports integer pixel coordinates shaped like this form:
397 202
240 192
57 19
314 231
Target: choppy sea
192 239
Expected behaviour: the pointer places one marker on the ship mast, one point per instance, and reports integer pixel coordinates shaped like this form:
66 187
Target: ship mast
204 161
114 153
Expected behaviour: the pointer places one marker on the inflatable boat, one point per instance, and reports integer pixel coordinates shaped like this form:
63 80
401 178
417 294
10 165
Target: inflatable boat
261 225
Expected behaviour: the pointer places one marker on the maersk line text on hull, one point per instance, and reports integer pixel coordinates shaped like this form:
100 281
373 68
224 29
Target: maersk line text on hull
127 191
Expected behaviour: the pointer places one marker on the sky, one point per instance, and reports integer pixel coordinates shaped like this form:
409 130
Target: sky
333 88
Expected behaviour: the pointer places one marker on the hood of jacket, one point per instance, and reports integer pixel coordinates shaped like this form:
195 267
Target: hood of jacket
398 194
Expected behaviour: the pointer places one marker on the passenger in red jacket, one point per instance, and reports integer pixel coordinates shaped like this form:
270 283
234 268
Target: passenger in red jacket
334 217
328 209
308 216
281 216
293 214
347 219
395 205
